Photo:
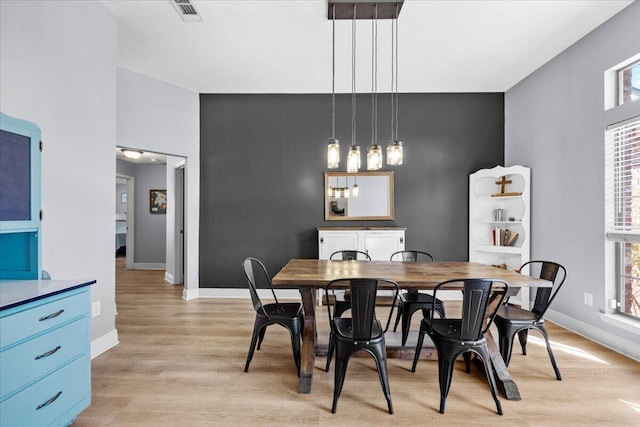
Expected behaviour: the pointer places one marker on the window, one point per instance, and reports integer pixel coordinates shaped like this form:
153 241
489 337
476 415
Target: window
629 83
623 211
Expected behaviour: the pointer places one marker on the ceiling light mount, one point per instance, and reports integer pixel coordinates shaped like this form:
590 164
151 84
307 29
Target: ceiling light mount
365 9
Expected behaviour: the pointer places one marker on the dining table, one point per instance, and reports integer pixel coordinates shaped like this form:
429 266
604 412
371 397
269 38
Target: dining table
309 275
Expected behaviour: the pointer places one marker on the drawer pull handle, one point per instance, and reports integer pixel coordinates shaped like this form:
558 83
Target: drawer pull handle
50 401
48 353
51 316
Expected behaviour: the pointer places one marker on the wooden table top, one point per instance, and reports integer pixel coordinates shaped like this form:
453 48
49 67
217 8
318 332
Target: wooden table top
316 273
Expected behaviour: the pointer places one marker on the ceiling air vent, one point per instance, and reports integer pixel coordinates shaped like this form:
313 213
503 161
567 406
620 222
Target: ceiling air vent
187 10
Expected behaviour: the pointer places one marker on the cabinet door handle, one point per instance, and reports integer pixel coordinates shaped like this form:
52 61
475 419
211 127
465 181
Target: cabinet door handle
50 401
48 353
51 316
322 240
402 240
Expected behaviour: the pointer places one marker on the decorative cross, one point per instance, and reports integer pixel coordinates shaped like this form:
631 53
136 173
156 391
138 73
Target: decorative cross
503 183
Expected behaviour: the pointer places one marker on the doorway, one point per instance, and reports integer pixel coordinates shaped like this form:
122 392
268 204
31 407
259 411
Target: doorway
163 247
125 218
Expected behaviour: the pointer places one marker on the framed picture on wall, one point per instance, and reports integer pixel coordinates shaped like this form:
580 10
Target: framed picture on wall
158 201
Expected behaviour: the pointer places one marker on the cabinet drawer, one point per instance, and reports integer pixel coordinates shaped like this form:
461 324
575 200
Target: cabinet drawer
24 324
25 363
52 401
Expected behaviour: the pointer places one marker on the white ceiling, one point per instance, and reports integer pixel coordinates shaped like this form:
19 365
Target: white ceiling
284 46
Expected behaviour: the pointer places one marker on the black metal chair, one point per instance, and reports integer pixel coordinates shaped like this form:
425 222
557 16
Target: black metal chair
512 320
363 331
455 336
412 300
350 255
287 314
341 299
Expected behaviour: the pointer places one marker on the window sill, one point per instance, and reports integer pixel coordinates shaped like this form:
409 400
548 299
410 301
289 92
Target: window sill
622 322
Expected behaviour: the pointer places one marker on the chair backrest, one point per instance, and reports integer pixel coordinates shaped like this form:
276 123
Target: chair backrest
350 254
547 270
257 277
363 303
411 256
480 302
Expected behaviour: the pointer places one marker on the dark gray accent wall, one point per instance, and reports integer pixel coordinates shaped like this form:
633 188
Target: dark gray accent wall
263 158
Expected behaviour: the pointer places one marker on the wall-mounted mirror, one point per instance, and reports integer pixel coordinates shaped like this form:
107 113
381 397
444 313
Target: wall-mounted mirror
373 198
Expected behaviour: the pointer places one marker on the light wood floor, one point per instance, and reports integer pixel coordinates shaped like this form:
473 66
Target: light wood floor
181 364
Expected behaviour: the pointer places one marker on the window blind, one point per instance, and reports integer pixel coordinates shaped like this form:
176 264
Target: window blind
622 181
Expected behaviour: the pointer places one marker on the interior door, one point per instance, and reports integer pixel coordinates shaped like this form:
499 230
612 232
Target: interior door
179 228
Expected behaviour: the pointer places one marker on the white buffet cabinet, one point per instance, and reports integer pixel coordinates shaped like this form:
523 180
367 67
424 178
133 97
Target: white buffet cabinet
378 242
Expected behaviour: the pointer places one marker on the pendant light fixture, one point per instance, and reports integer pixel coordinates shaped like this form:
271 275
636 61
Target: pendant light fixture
333 149
374 153
374 10
394 148
353 158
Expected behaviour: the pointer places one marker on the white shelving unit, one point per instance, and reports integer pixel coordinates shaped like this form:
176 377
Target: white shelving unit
484 199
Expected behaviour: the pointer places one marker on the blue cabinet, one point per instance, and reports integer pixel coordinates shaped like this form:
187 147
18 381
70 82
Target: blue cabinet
19 199
45 363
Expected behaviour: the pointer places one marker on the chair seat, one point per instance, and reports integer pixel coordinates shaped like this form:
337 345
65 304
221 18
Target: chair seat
417 297
283 309
516 314
344 328
445 328
411 302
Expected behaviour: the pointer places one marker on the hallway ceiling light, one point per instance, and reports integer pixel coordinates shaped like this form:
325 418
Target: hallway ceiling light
132 154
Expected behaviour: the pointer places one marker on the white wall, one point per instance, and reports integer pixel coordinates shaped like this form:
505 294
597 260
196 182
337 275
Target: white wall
58 70
156 116
554 123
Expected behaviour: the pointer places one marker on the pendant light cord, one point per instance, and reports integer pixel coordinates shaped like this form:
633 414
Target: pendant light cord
396 50
393 58
373 66
333 78
353 76
376 76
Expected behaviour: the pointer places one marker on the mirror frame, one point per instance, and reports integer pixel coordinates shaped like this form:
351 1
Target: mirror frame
391 215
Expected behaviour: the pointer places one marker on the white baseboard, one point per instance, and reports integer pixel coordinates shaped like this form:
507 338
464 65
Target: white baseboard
189 294
595 334
149 266
104 343
168 277
244 293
